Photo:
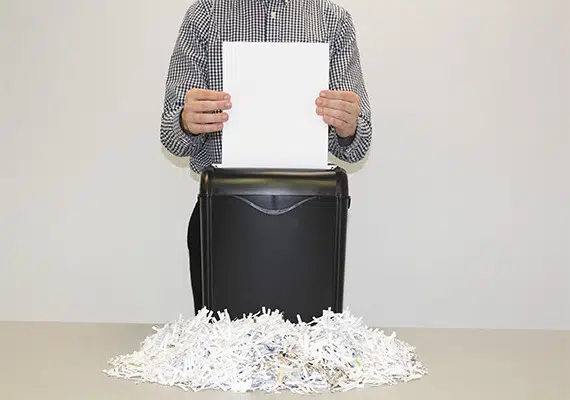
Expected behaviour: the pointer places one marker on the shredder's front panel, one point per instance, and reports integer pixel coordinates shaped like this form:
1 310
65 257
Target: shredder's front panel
284 261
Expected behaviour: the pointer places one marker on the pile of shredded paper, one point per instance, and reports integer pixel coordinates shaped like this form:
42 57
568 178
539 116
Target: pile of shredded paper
264 352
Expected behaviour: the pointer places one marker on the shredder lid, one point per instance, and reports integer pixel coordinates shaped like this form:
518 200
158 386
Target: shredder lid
216 181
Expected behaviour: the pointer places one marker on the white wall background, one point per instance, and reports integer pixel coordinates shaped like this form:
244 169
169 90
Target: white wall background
460 215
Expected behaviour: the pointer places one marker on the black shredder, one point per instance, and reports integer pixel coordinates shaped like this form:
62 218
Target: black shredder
273 238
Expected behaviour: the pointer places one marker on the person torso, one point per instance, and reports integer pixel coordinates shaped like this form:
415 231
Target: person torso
313 21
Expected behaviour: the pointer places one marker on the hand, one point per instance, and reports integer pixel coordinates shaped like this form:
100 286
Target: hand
201 111
340 110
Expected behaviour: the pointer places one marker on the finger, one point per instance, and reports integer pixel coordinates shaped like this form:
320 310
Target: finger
204 128
337 104
209 106
338 114
207 118
337 123
340 95
203 94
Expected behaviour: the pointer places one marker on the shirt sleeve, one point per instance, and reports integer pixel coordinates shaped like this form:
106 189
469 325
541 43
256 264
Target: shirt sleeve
188 69
346 75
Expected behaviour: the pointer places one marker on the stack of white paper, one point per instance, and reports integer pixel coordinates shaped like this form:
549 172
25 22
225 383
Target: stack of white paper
273 122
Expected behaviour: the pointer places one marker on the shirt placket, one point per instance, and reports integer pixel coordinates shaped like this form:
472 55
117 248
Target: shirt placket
274 15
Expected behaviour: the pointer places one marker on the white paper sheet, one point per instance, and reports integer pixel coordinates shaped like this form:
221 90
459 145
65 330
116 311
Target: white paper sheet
273 122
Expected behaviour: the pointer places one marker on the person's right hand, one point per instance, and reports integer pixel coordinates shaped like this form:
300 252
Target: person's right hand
203 111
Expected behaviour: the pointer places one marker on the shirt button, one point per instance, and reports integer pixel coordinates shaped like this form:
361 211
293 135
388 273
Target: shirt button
273 14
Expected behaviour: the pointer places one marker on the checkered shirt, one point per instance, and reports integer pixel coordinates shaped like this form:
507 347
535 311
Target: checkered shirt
196 62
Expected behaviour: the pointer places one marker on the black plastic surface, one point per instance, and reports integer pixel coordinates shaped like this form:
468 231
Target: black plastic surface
301 182
274 239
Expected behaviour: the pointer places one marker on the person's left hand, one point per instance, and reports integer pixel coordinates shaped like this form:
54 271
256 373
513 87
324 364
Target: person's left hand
340 110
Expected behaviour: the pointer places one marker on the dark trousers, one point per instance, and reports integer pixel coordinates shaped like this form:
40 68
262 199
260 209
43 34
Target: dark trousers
195 255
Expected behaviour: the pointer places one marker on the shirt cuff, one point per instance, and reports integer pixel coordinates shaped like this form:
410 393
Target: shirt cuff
342 141
353 149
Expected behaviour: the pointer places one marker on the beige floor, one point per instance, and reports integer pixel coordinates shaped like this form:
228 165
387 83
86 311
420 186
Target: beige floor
63 362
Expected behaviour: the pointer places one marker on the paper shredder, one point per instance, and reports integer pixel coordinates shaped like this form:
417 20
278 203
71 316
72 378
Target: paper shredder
273 238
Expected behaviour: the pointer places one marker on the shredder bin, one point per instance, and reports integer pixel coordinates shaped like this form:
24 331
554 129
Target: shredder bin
273 238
